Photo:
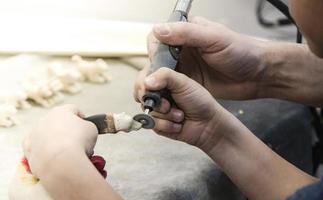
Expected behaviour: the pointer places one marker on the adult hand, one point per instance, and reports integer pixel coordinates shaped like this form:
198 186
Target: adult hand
198 119
227 64
61 130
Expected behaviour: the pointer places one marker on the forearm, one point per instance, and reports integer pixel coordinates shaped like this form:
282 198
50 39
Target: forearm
259 172
292 73
71 175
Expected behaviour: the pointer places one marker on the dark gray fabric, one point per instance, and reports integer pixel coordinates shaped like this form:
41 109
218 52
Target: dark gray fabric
284 126
312 192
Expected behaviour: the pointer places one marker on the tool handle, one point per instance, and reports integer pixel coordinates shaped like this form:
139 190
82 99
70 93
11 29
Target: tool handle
165 56
153 98
101 123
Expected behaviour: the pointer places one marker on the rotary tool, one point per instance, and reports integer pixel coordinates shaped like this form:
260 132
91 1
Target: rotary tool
165 56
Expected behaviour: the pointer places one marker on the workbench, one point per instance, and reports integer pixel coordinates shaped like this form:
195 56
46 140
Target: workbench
142 165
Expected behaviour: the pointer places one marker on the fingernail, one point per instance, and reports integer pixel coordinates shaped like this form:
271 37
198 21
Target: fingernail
178 115
150 81
162 29
177 128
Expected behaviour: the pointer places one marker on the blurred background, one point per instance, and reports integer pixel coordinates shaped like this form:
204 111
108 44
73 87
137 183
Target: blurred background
43 21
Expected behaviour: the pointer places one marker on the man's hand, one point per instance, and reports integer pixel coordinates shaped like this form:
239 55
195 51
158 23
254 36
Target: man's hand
226 63
198 119
61 130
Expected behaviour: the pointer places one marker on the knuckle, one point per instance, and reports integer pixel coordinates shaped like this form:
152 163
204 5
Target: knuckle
165 71
91 126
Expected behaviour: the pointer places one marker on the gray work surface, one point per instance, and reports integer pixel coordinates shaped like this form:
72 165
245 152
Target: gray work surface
145 166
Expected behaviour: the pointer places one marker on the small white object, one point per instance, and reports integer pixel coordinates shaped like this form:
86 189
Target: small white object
68 76
15 97
92 71
124 122
7 115
45 92
241 112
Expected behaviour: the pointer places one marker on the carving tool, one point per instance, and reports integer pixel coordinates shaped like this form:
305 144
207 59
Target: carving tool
165 56
112 123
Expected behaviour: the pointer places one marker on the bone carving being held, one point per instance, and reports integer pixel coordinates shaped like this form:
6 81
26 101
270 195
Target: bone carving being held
124 122
114 123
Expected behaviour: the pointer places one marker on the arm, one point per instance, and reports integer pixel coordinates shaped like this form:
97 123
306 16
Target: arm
292 73
201 121
259 172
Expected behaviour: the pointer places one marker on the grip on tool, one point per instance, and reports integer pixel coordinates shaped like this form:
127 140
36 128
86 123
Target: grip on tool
153 98
167 56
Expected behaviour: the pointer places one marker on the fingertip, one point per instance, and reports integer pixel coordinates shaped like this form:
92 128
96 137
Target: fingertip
164 106
167 126
162 30
178 115
176 127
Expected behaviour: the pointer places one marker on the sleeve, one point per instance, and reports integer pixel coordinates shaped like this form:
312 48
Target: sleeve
311 192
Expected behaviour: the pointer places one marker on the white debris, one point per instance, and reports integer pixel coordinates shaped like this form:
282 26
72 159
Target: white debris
16 97
70 77
43 80
7 115
93 71
45 92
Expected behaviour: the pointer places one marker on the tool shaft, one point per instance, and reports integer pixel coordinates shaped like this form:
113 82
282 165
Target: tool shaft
167 56
183 5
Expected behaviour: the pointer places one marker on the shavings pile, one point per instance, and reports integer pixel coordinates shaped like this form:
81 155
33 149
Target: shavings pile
42 81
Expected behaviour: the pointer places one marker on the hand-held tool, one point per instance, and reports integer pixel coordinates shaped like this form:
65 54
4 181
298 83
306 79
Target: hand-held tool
165 56
112 123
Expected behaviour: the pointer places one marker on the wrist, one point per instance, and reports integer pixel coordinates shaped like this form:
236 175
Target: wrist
287 72
223 127
57 162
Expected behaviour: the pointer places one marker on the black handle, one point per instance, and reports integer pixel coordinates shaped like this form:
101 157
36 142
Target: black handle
103 123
